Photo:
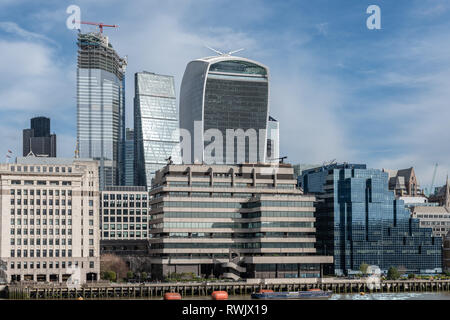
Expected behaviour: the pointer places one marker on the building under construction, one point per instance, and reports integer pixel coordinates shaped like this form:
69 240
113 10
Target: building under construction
101 105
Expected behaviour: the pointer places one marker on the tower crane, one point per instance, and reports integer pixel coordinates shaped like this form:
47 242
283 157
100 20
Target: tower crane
100 25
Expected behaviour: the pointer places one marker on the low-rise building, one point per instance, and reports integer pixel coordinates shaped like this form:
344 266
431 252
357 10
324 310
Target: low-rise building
49 218
403 182
124 213
435 217
232 221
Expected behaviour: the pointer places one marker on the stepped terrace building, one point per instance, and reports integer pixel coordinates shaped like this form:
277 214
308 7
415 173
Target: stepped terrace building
232 221
49 219
359 220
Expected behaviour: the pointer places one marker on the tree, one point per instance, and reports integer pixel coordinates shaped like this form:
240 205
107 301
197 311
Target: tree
411 276
111 262
130 275
144 276
363 268
109 275
393 273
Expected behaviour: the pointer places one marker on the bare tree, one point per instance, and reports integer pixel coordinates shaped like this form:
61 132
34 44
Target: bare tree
111 262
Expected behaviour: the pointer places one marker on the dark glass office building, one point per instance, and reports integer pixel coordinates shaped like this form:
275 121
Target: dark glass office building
226 92
359 220
37 140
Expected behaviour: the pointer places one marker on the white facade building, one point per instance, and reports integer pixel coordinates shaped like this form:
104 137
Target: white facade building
49 218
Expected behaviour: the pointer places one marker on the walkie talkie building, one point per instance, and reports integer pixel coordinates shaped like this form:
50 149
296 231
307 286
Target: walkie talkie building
226 92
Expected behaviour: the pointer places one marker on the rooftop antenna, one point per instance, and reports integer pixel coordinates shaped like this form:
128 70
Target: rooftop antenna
224 54
235 51
216 51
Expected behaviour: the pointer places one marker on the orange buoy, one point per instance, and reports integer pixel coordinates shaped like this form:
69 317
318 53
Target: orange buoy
219 295
172 296
265 291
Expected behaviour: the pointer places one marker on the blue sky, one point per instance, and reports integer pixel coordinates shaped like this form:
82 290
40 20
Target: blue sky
339 90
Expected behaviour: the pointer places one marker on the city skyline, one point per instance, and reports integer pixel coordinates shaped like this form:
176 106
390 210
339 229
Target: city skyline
324 66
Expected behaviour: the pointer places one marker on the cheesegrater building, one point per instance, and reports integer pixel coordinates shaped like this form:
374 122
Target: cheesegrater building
225 92
101 106
156 125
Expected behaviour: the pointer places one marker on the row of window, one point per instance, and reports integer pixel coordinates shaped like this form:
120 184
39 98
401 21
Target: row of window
31 202
40 169
40 183
44 232
38 212
124 227
190 235
434 216
255 245
125 219
125 234
247 205
233 225
38 192
124 212
51 253
126 197
56 265
124 204
56 222
251 215
44 241
229 185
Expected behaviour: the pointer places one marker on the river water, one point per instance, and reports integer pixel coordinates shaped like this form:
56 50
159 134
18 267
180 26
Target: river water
367 296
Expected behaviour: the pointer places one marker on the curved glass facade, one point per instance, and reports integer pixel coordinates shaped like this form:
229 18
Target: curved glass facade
226 93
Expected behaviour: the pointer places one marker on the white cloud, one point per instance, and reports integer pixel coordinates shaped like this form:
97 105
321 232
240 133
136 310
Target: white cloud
15 29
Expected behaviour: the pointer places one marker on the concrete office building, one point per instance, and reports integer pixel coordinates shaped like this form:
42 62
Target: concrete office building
101 106
232 221
436 214
220 93
49 219
156 125
435 217
38 140
124 213
359 220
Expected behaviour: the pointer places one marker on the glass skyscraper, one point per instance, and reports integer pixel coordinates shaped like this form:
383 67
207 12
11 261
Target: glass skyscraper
128 176
226 92
156 130
101 106
359 220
